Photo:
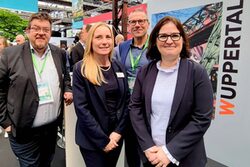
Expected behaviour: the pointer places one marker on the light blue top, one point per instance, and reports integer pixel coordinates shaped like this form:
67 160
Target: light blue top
162 99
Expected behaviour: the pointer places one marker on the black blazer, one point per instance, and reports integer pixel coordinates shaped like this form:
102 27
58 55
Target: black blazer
92 111
190 114
19 98
76 53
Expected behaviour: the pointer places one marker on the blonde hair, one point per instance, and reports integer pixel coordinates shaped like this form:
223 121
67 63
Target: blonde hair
90 67
119 38
4 40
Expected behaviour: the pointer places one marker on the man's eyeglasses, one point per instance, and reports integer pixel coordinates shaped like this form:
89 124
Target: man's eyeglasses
164 37
39 29
140 22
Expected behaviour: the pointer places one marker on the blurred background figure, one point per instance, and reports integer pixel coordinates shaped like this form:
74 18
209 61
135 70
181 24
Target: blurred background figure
3 43
20 39
119 38
77 51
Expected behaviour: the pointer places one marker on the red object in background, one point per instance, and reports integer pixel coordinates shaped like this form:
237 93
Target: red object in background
108 16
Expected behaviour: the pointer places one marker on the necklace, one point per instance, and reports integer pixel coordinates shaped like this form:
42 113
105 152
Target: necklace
105 68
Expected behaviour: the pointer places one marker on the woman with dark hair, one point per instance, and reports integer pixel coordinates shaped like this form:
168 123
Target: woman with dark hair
172 102
101 98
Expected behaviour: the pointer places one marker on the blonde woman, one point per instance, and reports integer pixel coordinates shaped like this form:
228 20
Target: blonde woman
101 99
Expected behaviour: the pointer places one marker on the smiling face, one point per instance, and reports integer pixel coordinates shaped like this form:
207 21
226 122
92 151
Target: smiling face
39 34
169 49
102 41
138 24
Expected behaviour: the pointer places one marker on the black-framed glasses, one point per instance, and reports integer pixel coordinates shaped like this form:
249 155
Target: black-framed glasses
39 29
164 37
140 22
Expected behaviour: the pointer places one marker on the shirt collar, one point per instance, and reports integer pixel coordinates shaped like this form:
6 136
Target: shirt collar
35 52
83 44
168 70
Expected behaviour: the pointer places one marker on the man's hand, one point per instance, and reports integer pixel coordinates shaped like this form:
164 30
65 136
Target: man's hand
68 98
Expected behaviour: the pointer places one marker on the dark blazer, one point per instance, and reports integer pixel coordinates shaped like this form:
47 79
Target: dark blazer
92 111
190 114
76 53
19 98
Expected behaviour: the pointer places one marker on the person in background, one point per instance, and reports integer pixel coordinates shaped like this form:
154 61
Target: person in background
101 98
172 101
3 44
133 56
68 58
77 51
20 39
34 85
119 38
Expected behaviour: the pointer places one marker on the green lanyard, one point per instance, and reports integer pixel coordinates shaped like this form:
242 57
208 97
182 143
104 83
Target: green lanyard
39 71
135 62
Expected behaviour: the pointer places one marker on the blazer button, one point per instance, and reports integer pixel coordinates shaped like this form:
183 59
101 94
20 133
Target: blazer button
169 129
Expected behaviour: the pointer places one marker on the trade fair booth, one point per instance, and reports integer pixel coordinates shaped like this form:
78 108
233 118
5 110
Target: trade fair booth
219 36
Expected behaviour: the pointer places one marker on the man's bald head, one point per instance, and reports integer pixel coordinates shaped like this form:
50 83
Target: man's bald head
20 39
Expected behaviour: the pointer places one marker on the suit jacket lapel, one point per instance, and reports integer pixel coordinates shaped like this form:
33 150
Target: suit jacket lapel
121 82
101 93
150 82
28 64
180 87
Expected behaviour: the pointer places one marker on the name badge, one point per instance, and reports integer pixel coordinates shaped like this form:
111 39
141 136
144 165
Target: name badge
45 93
120 75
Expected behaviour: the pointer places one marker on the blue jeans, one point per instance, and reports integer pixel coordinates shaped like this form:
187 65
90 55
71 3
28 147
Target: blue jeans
38 149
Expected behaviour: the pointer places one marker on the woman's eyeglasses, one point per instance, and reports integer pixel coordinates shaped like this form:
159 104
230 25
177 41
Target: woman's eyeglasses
164 37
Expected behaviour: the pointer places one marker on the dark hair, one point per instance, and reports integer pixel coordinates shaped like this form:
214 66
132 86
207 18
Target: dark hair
153 52
86 28
40 16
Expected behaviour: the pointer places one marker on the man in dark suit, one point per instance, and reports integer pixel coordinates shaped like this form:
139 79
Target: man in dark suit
33 84
78 50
